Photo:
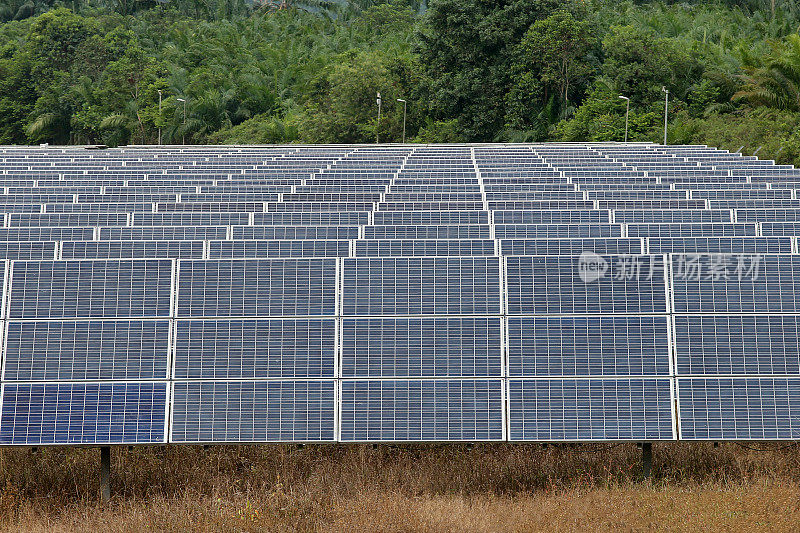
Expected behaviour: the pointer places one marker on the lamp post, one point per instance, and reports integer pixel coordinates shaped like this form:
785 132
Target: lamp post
184 118
159 117
405 104
378 128
666 108
627 110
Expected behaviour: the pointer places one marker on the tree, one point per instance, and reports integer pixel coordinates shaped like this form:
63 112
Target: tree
466 49
773 81
552 65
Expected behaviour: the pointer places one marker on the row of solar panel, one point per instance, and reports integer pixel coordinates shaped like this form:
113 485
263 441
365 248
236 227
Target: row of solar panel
400 410
530 285
402 347
307 248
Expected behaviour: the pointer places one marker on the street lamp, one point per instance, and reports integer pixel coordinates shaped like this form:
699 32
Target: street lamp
627 110
377 129
404 118
666 108
184 118
159 117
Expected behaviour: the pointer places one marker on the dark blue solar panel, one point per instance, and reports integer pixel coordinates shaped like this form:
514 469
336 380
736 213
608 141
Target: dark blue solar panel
734 283
552 217
253 411
132 250
725 345
672 216
161 233
358 218
67 219
556 231
430 218
585 284
451 231
295 232
421 410
588 346
26 251
46 234
725 245
249 349
421 286
590 409
691 230
421 347
257 287
739 408
768 215
83 413
90 289
570 246
397 248
87 350
279 248
189 219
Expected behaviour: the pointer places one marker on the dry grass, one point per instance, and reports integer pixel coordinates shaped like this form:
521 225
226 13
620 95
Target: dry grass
498 487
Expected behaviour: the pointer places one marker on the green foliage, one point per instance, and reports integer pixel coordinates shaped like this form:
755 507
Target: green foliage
90 71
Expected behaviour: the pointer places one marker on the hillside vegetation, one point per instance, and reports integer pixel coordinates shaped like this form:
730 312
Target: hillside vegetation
511 70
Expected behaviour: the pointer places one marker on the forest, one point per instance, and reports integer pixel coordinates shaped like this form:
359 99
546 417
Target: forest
120 72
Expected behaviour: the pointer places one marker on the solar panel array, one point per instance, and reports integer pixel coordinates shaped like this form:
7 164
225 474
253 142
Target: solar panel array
545 292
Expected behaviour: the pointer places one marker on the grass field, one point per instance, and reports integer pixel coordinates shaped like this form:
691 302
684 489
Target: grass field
489 487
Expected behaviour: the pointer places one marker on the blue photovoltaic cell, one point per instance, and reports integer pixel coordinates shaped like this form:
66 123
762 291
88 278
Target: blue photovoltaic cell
672 216
726 345
552 217
691 230
556 231
570 246
448 231
734 283
421 286
725 245
249 349
588 346
768 215
421 347
83 413
189 219
295 232
789 229
27 251
279 248
358 218
86 350
429 218
585 284
90 289
253 411
46 234
18 220
397 247
132 249
739 408
161 233
421 410
256 287
590 409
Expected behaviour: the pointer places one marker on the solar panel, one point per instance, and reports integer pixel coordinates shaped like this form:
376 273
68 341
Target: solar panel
421 286
588 346
725 245
762 408
277 248
90 289
735 283
83 413
27 250
86 350
256 287
556 231
255 348
570 246
737 345
408 247
131 249
588 283
421 347
253 411
590 409
422 410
